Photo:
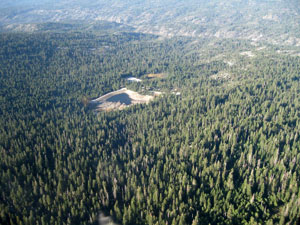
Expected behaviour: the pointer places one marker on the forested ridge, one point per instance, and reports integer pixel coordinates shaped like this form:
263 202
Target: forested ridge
224 151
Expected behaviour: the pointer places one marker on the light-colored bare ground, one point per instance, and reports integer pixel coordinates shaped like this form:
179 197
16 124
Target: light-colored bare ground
156 75
248 53
105 220
157 93
105 102
134 79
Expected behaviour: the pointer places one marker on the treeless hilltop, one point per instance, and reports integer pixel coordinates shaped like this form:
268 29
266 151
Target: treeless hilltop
120 99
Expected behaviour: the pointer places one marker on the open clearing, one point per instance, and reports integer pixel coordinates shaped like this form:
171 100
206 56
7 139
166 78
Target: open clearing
156 75
134 79
105 220
118 100
247 53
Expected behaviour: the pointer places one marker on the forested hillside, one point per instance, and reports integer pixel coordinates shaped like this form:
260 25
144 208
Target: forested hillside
275 21
224 151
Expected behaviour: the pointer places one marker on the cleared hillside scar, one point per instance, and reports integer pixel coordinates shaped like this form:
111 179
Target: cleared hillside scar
120 99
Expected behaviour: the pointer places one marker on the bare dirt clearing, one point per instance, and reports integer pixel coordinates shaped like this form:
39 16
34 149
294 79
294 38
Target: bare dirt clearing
248 53
156 75
118 100
105 220
134 79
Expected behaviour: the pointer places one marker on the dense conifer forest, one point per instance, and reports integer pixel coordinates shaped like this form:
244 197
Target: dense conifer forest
224 151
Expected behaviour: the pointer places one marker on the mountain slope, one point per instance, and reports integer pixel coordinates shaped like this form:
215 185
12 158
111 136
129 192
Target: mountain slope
273 21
